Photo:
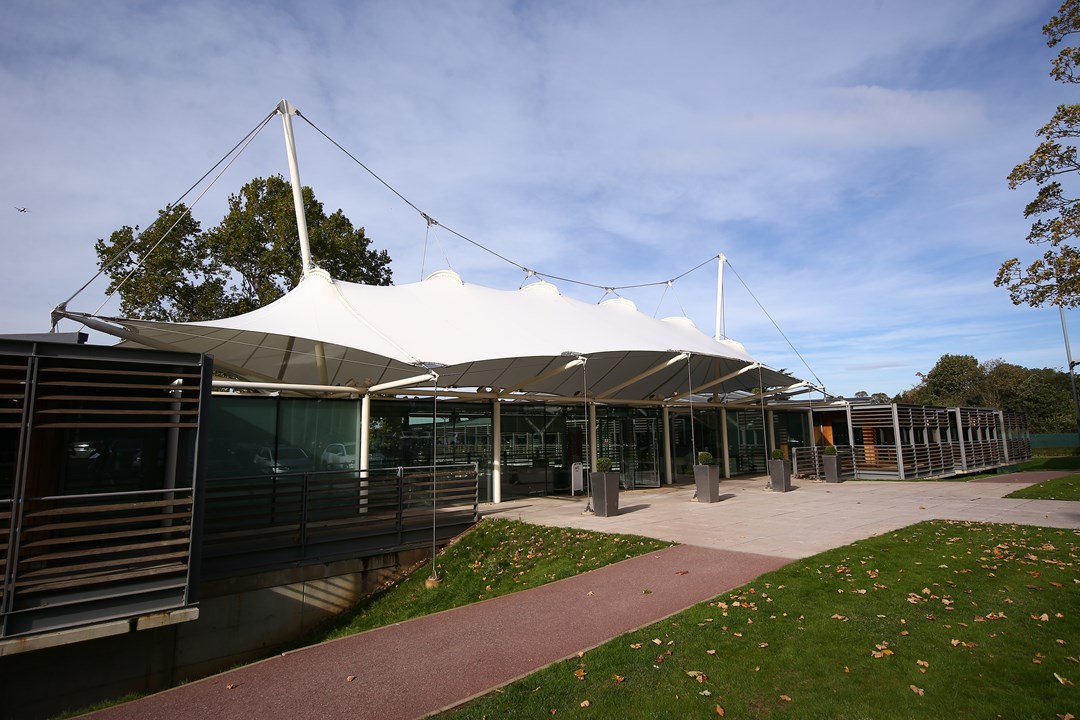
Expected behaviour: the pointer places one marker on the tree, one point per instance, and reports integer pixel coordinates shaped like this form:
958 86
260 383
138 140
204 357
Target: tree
1055 277
954 381
178 273
1043 395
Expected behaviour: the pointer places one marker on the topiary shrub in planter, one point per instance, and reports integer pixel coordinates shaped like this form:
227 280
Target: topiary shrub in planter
779 472
605 488
706 478
831 462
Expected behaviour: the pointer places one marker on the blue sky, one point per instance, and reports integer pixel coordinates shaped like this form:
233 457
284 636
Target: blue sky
848 157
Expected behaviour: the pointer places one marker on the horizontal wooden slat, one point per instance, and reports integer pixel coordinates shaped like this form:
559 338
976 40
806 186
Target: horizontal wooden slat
117 371
43 387
84 509
179 528
94 551
97 522
113 411
70 569
119 398
116 425
98 579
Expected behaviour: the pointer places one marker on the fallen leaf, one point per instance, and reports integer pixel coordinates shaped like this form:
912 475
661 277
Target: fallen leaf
1063 680
230 686
580 673
710 652
697 675
617 678
720 711
785 698
838 616
657 641
917 690
585 703
682 572
636 646
350 678
706 693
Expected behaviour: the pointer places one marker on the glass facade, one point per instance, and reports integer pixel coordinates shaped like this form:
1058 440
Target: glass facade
539 442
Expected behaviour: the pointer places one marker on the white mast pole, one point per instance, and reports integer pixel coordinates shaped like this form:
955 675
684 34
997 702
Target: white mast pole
719 295
287 111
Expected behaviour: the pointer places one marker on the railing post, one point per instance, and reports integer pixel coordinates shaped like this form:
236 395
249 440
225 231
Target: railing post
303 513
400 503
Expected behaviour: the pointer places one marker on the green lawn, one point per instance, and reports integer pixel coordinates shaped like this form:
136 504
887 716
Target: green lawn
1064 462
496 557
1063 488
937 620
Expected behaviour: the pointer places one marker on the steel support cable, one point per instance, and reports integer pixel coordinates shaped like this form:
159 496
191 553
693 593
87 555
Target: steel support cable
172 227
788 341
432 221
244 142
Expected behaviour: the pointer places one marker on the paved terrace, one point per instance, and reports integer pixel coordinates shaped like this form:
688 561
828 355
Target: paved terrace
412 669
813 517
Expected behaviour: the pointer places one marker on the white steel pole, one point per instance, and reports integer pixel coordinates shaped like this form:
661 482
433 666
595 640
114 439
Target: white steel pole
668 467
721 259
287 111
496 451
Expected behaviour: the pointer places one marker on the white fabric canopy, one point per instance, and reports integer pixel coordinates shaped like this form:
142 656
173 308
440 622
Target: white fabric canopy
333 332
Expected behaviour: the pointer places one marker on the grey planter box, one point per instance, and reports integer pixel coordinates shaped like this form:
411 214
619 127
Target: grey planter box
605 493
779 475
707 480
832 468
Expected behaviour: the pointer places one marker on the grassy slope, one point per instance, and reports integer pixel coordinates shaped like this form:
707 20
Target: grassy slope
495 558
940 619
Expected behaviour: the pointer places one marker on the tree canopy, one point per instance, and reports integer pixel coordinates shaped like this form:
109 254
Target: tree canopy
175 271
1044 394
1053 278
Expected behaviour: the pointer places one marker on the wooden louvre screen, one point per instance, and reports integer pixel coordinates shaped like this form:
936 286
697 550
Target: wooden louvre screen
99 507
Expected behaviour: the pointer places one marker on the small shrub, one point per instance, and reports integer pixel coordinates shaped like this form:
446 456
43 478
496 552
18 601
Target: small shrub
603 464
829 450
777 454
704 458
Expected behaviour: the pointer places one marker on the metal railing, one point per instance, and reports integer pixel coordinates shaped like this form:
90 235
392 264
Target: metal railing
261 522
808 462
881 462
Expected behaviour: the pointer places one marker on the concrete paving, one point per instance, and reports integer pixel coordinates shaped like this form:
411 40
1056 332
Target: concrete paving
811 518
412 669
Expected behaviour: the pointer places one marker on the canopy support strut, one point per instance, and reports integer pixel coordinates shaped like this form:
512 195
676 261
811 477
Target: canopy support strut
286 110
